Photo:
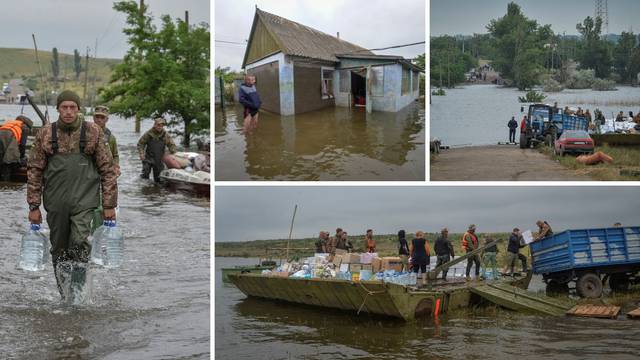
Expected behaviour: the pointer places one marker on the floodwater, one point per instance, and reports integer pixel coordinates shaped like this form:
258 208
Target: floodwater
330 144
478 114
156 306
249 328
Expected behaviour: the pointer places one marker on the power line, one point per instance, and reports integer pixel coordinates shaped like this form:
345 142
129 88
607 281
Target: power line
389 47
230 42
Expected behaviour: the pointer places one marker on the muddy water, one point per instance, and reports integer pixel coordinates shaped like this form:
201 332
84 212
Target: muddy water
478 114
330 144
248 328
155 306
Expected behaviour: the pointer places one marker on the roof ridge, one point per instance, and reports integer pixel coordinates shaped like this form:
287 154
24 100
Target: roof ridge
260 12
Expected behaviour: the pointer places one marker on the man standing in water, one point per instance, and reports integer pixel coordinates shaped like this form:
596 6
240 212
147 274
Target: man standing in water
13 145
151 148
249 98
101 117
513 125
71 155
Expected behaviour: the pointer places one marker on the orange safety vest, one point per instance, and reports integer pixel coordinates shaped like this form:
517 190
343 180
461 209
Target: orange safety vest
15 127
474 240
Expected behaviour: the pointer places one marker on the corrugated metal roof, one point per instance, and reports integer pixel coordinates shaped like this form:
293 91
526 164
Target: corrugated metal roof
300 40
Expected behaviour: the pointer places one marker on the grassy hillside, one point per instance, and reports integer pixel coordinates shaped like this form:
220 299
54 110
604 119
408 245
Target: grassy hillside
21 64
387 245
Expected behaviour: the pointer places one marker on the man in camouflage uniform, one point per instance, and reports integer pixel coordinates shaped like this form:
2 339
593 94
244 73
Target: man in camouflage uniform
101 117
68 166
151 148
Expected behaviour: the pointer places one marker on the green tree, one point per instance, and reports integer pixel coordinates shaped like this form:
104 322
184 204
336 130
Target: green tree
55 64
594 51
225 73
623 56
519 47
420 61
448 63
164 73
77 63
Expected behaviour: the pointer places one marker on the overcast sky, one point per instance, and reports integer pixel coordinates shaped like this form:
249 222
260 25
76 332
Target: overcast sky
76 24
368 23
467 16
250 213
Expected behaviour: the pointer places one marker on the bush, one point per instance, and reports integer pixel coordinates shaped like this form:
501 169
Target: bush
551 85
532 97
438 92
603 85
581 79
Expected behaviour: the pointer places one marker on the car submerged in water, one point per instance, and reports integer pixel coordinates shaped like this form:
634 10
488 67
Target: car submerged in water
574 141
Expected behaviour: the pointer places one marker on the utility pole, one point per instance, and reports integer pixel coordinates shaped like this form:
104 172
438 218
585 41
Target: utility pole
86 77
95 75
141 21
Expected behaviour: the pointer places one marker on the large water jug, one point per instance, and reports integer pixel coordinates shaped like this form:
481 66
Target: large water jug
34 250
108 245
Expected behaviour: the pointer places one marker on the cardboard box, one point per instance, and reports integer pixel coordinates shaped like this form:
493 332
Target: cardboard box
351 258
283 274
365 258
340 252
355 267
337 260
376 265
392 263
367 267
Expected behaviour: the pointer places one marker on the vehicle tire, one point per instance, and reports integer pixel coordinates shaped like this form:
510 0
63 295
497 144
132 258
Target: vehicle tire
589 285
523 141
555 287
619 282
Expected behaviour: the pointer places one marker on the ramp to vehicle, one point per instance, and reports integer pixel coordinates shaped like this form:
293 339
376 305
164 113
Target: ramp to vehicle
517 299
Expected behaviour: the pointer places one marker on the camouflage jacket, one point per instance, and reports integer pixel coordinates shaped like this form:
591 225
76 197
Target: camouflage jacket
112 144
70 143
151 133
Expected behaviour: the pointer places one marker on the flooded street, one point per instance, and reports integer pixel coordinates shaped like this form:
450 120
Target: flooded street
478 114
330 144
248 328
156 306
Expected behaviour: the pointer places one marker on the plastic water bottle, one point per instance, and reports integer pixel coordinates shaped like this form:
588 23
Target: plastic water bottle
34 250
108 248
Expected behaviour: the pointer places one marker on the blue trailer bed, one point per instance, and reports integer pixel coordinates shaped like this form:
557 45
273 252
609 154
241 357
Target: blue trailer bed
602 252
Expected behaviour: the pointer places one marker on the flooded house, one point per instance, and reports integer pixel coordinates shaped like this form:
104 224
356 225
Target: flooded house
299 69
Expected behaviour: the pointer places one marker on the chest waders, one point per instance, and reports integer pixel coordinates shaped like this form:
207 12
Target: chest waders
71 194
153 158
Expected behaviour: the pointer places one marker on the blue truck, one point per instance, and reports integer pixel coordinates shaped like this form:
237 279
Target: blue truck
544 123
589 258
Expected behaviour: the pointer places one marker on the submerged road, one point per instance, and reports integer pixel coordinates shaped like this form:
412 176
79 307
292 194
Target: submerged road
499 163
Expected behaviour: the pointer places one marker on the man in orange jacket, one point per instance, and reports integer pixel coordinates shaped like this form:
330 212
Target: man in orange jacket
470 243
13 144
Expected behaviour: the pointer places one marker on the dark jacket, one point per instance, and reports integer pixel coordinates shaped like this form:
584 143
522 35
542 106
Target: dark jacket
513 124
249 98
420 255
443 246
514 243
403 246
491 249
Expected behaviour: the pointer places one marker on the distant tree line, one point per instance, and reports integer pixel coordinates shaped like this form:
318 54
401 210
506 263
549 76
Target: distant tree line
528 54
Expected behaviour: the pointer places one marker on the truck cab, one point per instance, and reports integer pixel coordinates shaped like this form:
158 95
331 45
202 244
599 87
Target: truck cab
546 123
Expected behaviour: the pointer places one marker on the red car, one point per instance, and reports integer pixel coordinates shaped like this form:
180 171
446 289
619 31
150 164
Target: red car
574 141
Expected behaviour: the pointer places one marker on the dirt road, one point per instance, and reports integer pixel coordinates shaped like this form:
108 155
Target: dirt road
498 163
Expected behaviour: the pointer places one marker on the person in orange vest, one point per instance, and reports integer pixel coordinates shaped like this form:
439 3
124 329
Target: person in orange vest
13 144
470 243
369 242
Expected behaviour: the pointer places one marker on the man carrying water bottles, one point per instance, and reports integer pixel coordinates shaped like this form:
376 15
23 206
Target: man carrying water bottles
68 167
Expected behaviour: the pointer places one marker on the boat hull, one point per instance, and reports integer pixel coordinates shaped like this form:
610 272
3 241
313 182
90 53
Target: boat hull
374 297
616 139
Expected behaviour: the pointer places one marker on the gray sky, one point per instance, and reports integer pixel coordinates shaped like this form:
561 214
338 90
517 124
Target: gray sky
368 23
249 213
76 24
467 17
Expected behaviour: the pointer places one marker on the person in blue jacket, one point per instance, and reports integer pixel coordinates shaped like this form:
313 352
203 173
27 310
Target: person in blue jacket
513 125
249 98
